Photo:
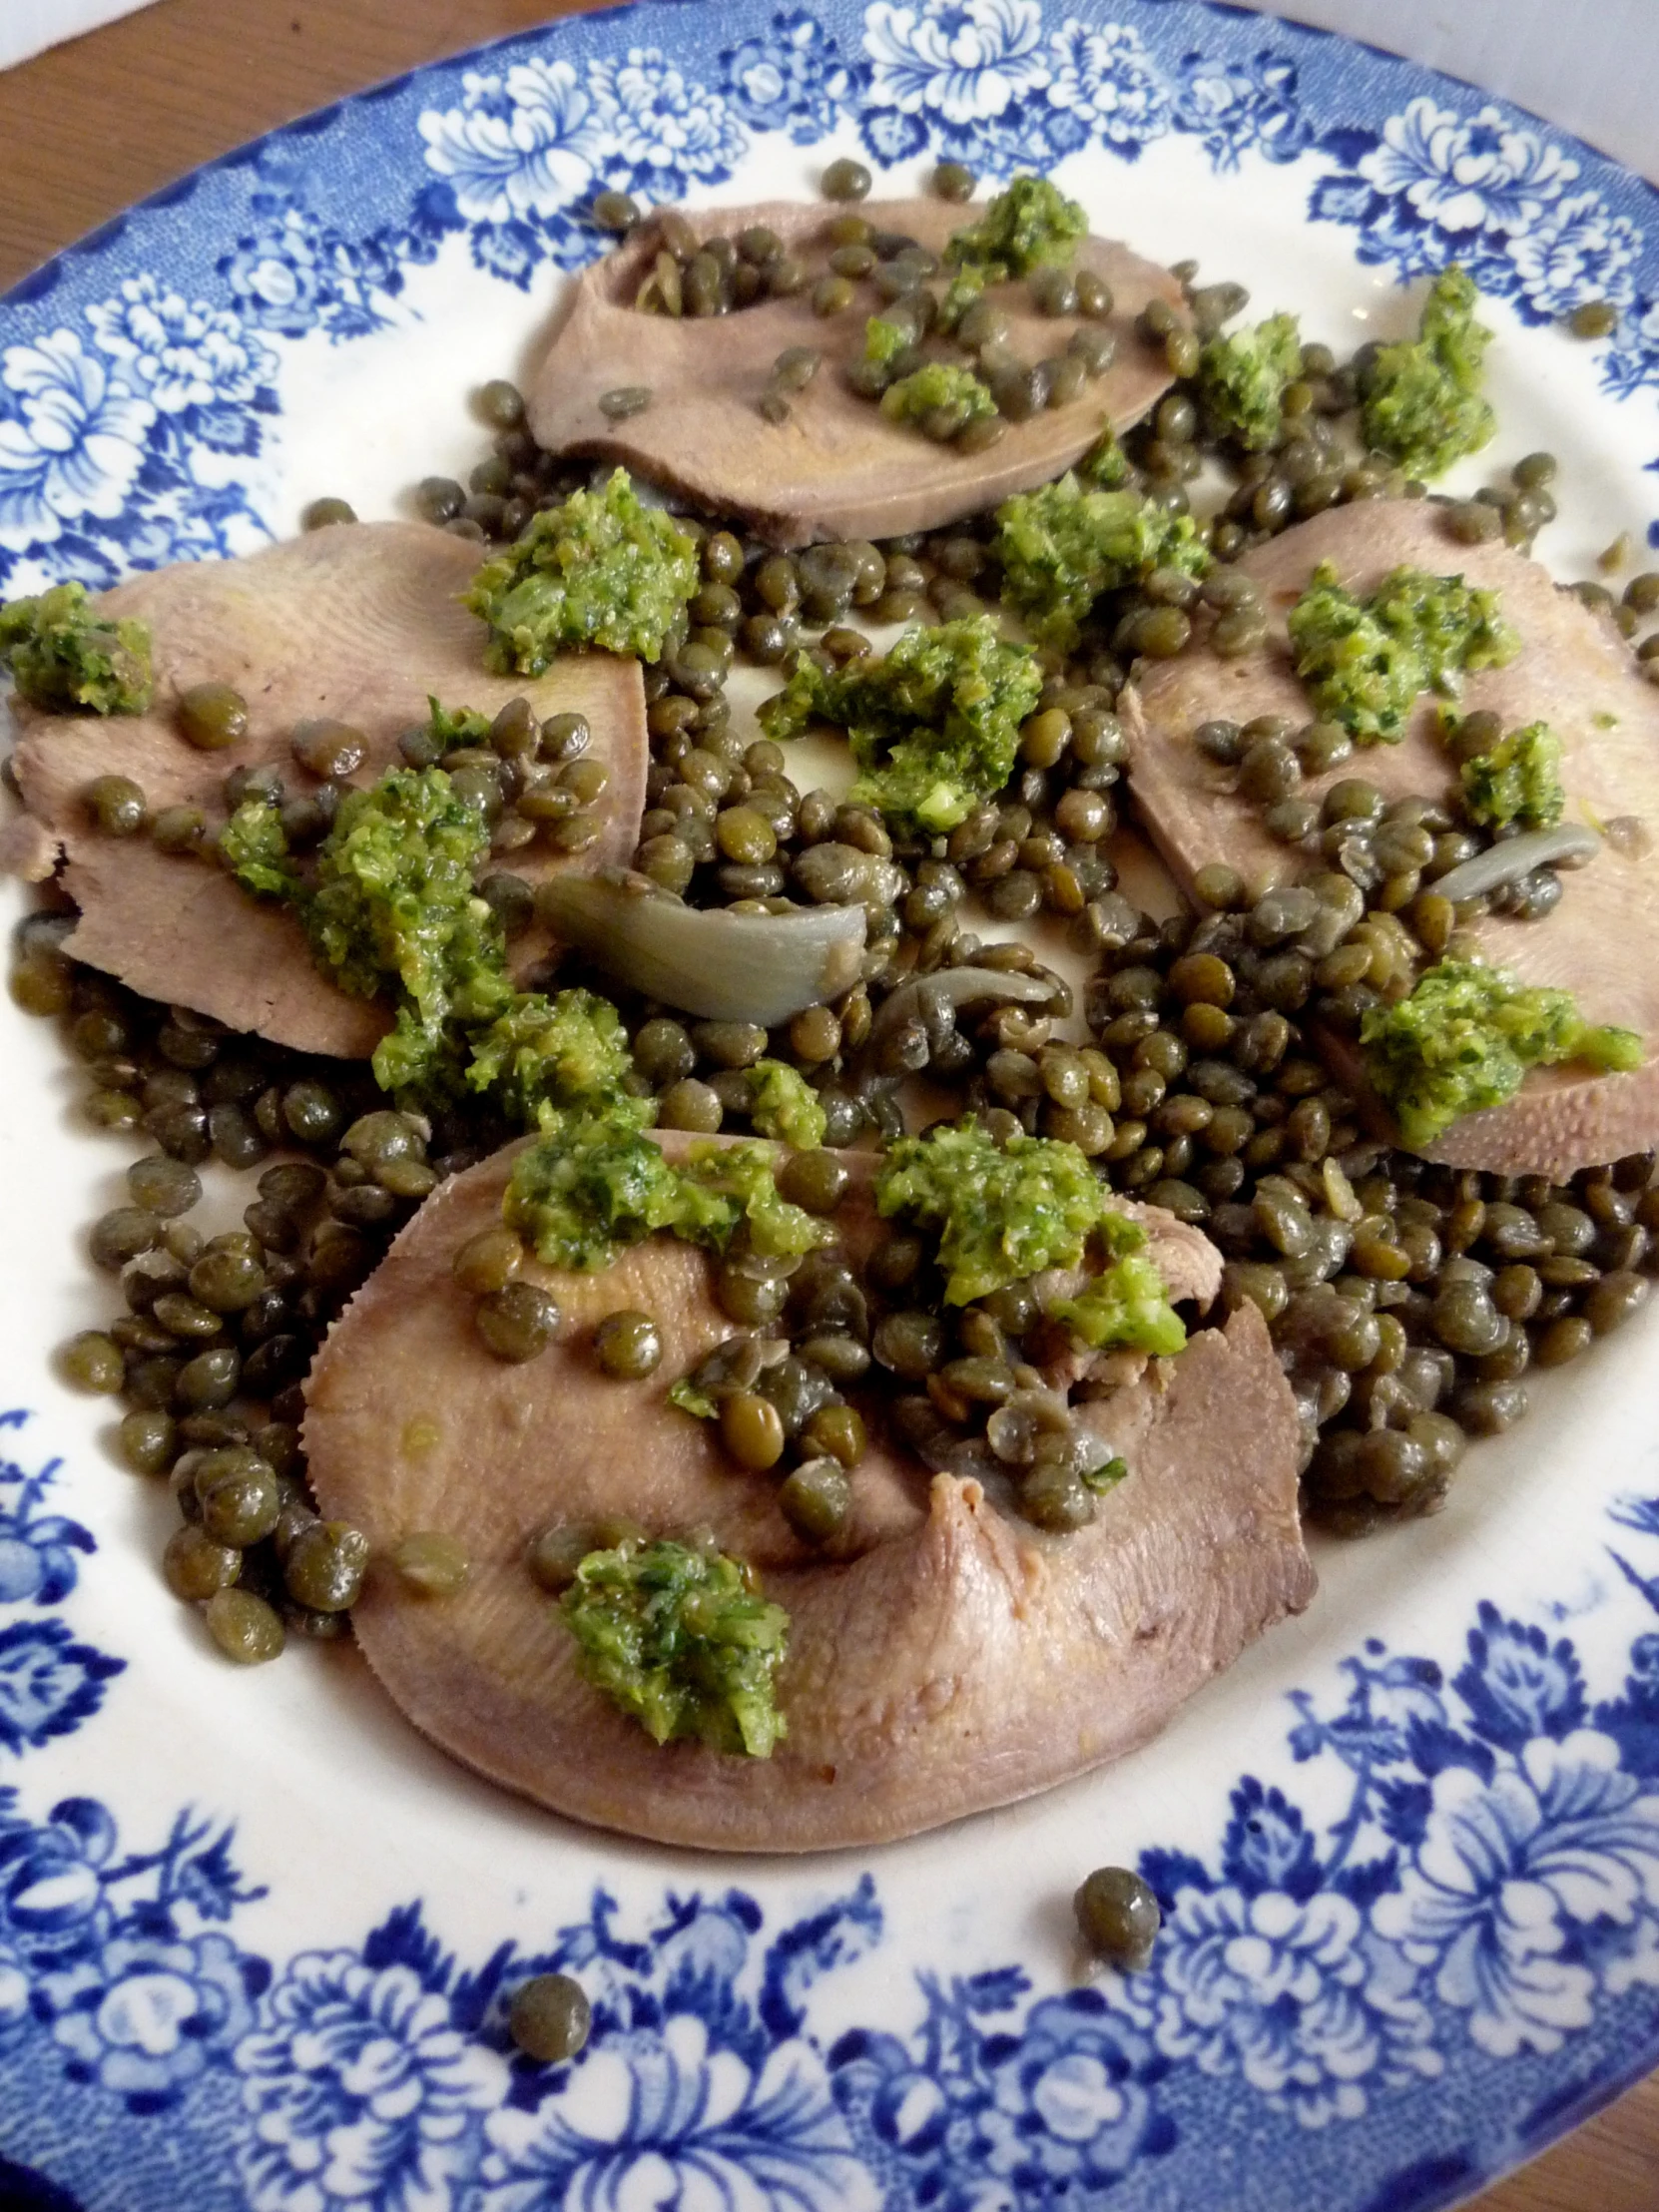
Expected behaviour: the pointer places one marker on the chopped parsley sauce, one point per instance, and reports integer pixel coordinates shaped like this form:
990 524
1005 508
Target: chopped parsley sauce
1465 1038
1365 662
66 658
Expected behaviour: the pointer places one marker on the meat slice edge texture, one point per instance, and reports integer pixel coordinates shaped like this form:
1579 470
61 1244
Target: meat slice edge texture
948 1659
836 467
1573 672
358 624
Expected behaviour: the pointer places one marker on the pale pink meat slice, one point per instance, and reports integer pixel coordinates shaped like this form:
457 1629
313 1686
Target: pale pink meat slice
358 624
950 1658
836 468
1573 672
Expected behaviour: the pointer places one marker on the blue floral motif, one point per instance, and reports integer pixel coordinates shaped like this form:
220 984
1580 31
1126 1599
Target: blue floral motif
144 2015
1467 175
361 2089
679 2106
1069 2102
72 440
115 1956
792 78
292 273
37 1550
1104 86
188 359
1509 1870
521 154
991 2117
1485 191
1294 1995
1233 107
49 1683
1579 250
957 73
669 132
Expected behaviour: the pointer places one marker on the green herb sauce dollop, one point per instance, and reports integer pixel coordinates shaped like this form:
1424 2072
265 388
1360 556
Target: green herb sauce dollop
682 1641
933 725
1423 404
602 570
1242 380
1029 224
66 658
1062 546
1518 783
1465 1038
1365 662
1002 1212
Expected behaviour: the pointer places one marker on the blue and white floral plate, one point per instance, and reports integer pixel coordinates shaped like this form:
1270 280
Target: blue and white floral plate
254 1935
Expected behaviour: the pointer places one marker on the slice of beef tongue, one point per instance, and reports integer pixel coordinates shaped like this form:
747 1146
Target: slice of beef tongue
949 1658
1573 672
357 624
836 468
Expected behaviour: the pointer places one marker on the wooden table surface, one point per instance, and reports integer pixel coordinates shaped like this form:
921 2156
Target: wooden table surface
89 127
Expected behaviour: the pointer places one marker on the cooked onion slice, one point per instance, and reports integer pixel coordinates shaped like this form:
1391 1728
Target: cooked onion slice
954 987
1569 844
721 965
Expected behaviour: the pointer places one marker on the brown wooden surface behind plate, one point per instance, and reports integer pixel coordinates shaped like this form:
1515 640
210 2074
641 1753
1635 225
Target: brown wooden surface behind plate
88 128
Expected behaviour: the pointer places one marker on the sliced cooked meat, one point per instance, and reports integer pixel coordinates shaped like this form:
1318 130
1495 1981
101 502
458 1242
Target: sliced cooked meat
836 468
949 1658
355 624
1572 671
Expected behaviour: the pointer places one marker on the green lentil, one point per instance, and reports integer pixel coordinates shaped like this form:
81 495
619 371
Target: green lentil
214 716
325 1566
195 1566
116 806
816 1499
92 1362
1118 1917
243 1626
628 1345
752 1430
549 2017
431 1564
517 1321
845 179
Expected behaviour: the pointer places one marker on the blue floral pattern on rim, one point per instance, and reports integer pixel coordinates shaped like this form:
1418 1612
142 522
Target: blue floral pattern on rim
1470 1878
1482 1883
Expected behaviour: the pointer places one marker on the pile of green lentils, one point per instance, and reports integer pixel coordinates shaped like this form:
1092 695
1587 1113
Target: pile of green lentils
1407 1302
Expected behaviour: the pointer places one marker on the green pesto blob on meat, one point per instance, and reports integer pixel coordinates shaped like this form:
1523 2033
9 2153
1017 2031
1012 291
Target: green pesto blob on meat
1029 225
65 656
1365 662
391 913
680 1638
1465 1038
1242 380
1004 1212
593 1183
938 388
1062 546
1518 783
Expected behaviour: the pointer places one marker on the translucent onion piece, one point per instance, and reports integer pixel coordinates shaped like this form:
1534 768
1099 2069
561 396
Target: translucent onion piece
720 965
1570 844
953 987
